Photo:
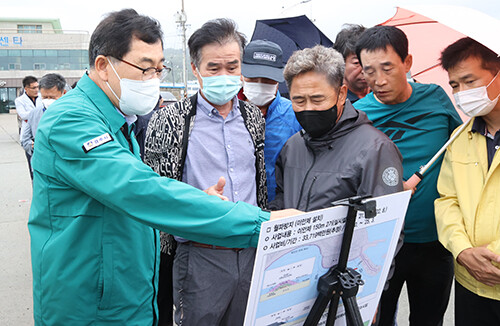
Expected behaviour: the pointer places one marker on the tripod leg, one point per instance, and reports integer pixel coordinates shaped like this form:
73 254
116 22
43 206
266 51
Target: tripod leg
352 314
317 310
332 310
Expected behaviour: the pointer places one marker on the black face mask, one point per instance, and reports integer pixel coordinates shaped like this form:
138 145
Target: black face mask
317 123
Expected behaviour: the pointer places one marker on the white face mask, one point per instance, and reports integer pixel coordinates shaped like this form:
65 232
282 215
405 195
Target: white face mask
475 102
259 93
47 102
138 96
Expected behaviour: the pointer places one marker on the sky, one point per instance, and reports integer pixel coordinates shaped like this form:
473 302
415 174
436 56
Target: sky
328 15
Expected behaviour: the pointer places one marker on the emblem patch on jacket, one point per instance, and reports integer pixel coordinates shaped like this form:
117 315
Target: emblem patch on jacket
96 142
390 176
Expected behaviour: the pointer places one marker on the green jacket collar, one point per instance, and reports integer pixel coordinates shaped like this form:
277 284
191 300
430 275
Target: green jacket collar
101 101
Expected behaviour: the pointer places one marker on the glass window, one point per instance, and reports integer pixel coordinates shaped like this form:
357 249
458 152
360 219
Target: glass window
12 94
39 66
4 96
26 62
26 53
4 101
39 53
50 60
43 59
7 97
75 59
29 29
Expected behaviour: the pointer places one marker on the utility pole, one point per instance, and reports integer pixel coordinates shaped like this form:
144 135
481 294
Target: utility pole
172 70
181 20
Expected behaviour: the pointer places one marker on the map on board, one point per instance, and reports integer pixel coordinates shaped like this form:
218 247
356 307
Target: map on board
293 253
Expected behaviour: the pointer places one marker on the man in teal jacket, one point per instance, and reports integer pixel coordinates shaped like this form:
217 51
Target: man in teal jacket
96 206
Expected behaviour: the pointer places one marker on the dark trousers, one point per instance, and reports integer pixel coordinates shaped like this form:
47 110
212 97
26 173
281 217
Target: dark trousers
427 269
211 285
165 290
28 158
472 309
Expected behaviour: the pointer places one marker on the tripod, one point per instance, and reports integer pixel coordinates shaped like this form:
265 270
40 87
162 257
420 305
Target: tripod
341 281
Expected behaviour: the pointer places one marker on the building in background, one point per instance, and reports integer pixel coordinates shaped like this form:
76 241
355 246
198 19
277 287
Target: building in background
37 47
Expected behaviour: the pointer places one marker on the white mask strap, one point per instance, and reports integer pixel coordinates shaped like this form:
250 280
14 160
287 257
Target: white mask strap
112 67
109 86
491 83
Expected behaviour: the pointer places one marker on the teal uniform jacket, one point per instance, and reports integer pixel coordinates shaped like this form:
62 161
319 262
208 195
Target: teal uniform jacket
95 214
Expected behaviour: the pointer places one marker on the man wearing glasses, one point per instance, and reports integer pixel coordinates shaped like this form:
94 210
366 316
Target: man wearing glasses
27 103
96 207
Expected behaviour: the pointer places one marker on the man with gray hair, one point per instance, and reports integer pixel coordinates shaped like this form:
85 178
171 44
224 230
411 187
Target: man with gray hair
208 137
338 154
52 87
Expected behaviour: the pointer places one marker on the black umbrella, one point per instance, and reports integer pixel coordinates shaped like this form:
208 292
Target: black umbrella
291 34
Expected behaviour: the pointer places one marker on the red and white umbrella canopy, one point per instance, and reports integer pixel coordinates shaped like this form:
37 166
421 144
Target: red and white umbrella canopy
430 29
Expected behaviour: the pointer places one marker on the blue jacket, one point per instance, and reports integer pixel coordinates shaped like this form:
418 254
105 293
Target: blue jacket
281 124
94 247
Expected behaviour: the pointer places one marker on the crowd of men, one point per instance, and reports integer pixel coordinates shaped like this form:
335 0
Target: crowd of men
124 229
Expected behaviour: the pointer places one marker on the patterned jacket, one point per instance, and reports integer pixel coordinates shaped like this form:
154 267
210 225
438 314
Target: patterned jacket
167 138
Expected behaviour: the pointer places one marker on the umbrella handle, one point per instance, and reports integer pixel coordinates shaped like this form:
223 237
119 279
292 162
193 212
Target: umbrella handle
414 180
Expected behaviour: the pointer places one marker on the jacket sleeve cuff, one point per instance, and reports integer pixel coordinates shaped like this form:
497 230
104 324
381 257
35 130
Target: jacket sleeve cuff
264 216
456 249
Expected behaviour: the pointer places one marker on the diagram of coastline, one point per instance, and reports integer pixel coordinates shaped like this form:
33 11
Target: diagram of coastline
291 275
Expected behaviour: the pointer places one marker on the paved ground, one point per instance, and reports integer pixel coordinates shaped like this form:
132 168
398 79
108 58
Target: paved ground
15 199
16 306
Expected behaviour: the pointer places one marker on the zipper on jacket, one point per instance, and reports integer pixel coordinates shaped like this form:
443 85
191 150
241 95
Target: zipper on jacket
309 193
154 276
305 179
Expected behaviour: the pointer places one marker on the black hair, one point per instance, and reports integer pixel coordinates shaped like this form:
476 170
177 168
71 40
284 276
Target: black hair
379 37
50 80
465 48
345 43
221 30
113 35
28 80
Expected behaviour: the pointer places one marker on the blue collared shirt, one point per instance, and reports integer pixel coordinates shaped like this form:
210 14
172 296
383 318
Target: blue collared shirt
130 119
219 147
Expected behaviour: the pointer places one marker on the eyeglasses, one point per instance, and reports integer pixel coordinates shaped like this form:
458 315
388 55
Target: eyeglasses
33 87
151 72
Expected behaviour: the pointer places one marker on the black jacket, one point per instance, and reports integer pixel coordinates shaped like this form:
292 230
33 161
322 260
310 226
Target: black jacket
354 158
